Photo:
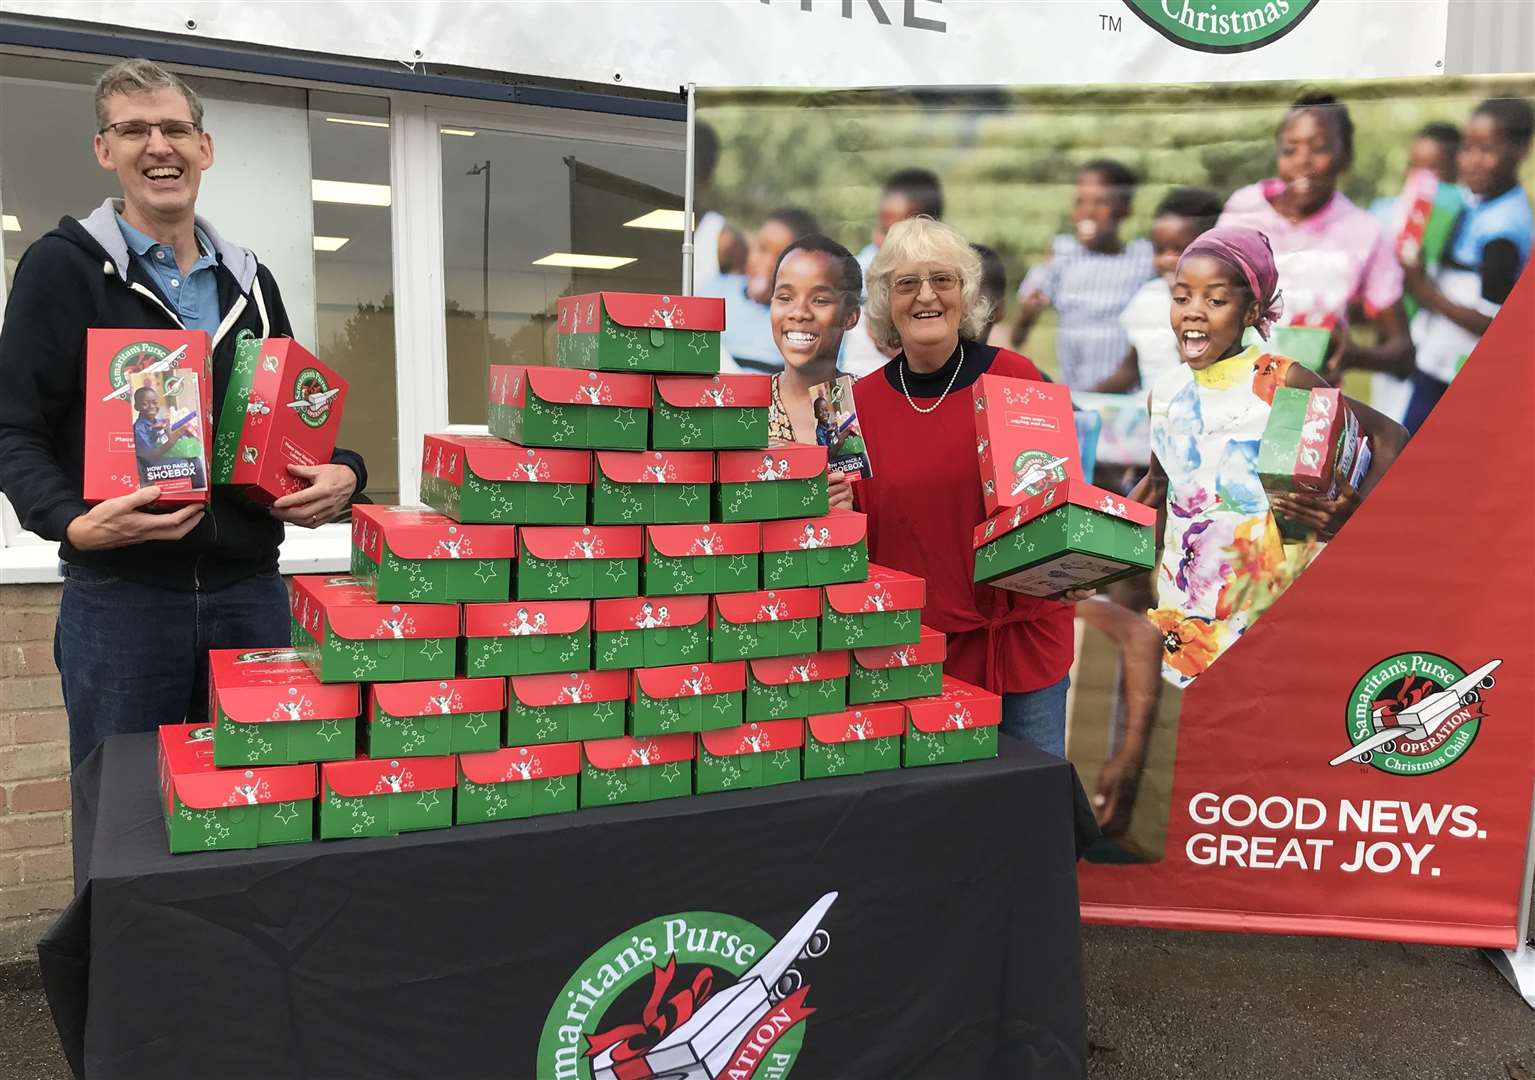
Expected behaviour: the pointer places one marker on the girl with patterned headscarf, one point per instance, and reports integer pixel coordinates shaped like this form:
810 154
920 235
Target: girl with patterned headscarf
1223 560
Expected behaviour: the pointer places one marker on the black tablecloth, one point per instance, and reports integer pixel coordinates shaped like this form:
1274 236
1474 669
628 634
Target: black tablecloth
953 941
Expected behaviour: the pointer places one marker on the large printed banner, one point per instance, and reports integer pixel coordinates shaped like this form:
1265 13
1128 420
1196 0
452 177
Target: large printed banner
1355 754
665 44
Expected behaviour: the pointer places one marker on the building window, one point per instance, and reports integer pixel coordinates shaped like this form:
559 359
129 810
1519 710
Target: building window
529 216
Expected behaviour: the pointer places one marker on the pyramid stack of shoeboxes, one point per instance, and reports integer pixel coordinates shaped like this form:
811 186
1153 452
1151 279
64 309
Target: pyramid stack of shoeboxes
621 594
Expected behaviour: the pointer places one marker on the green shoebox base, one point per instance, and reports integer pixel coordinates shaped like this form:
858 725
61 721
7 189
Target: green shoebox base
649 504
506 502
728 428
527 725
759 641
594 427
514 800
339 659
238 828
869 630
867 686
743 771
821 566
576 579
851 758
637 784
793 701
434 581
771 500
433 736
383 815
671 716
619 649
947 747
698 575
286 742
542 654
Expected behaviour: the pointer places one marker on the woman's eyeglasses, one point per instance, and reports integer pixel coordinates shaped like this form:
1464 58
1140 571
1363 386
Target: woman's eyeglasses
138 130
907 284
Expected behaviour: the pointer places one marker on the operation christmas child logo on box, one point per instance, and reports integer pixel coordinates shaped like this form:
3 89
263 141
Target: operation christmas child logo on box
697 995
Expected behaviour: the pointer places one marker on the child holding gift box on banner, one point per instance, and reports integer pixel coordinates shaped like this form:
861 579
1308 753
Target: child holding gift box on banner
1223 561
816 287
1487 250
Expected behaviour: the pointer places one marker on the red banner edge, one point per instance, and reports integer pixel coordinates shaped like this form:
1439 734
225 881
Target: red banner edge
1411 932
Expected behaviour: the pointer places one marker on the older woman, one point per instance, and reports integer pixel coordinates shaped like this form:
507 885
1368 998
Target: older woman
924 499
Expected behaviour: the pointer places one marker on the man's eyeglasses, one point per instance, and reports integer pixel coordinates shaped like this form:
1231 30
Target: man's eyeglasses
138 130
908 284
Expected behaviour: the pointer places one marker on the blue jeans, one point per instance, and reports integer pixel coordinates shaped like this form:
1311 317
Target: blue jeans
1038 717
133 657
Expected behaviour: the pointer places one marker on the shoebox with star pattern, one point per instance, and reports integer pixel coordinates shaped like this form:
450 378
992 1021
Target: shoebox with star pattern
859 740
527 637
211 809
885 609
284 410
571 706
167 371
826 550
957 724
517 782
651 631
784 687
483 480
267 708
614 331
1070 536
701 559
1311 443
897 672
635 770
726 412
753 755
429 719
651 487
345 635
386 796
770 622
764 485
556 407
414 553
686 697
563 562
1025 438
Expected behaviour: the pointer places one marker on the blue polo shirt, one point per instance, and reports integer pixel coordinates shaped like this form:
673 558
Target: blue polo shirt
194 296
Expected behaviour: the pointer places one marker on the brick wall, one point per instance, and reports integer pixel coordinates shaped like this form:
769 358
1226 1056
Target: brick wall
35 860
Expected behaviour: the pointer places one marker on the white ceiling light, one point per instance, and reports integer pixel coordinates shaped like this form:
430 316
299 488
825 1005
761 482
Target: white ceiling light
582 262
459 131
356 123
343 191
659 219
8 223
330 243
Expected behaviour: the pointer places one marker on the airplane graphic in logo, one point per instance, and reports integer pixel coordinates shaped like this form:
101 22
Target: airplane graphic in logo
314 404
1419 721
1037 472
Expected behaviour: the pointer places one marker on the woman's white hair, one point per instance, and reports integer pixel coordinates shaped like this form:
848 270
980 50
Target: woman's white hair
923 240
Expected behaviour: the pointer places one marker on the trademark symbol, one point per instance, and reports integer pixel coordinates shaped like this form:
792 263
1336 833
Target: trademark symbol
1111 23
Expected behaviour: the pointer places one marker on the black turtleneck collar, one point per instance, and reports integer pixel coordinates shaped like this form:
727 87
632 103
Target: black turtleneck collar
977 360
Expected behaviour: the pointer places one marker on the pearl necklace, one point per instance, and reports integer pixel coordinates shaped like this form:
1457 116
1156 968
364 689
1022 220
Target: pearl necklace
901 371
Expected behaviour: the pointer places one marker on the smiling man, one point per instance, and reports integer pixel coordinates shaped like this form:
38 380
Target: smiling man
146 593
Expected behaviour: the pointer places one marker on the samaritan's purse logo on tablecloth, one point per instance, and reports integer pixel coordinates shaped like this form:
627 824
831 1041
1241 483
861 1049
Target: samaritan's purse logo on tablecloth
698 995
1415 713
1222 26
